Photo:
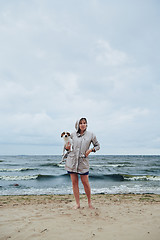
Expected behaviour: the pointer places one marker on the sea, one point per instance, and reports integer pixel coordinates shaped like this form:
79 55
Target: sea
109 174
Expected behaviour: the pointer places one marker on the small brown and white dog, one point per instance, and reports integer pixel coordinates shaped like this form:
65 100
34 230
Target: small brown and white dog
67 143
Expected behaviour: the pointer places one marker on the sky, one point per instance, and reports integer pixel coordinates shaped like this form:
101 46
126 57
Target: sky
63 60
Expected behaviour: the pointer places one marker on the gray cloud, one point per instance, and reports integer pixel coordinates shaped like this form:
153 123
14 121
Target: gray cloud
61 60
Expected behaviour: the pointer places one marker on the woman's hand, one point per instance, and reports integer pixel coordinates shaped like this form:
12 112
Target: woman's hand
68 147
88 152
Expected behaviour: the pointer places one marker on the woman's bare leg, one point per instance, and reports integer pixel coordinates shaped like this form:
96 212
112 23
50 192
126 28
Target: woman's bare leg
74 178
87 188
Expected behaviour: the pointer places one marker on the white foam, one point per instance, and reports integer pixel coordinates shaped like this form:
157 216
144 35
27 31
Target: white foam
142 178
15 169
15 178
122 189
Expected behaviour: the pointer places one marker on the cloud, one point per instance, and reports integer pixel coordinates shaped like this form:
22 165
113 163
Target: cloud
59 62
109 56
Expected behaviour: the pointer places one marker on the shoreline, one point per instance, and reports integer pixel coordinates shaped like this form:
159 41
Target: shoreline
7 200
116 216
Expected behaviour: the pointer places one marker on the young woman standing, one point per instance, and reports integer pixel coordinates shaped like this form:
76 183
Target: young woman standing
77 162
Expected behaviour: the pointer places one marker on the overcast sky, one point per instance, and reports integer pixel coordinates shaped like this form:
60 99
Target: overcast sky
62 60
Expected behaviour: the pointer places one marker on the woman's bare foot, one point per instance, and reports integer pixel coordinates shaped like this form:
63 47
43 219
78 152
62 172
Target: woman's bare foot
90 206
76 207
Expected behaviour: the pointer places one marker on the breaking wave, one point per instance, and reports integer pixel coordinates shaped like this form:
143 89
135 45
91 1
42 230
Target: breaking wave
107 177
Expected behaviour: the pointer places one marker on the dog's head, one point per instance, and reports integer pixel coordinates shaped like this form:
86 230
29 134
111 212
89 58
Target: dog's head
65 135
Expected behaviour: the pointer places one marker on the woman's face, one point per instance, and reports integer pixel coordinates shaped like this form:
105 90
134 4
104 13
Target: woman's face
82 125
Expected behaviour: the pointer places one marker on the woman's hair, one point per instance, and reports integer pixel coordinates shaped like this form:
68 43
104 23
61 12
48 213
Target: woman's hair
79 123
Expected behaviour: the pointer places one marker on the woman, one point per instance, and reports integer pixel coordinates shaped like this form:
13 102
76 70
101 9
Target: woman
78 162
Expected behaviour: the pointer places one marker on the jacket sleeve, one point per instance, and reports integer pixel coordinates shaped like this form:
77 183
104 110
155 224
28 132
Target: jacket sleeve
95 143
71 136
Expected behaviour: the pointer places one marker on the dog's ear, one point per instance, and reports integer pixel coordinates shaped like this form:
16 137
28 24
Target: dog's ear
62 134
68 134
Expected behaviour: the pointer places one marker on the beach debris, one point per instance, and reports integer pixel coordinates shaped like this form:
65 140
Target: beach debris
16 185
44 230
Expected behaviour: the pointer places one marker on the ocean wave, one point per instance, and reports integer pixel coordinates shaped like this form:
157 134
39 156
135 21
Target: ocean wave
141 178
50 165
45 177
123 177
112 177
122 163
18 178
16 169
107 177
110 165
124 189
121 189
32 177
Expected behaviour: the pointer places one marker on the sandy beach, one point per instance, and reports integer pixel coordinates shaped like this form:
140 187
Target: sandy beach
126 216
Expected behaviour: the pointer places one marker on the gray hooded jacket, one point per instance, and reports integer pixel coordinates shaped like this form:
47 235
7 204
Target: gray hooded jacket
76 160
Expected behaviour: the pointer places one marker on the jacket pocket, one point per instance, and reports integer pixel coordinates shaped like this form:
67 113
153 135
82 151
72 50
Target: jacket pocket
84 163
70 161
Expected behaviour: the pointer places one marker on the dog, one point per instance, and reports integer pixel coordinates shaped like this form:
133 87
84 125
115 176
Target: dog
67 143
